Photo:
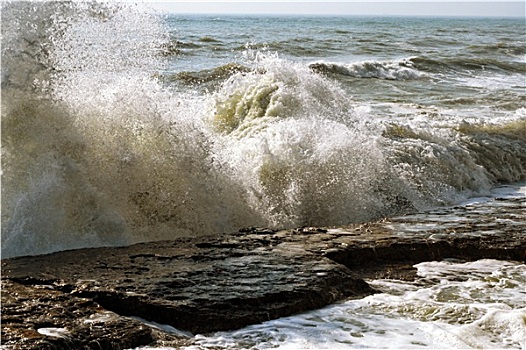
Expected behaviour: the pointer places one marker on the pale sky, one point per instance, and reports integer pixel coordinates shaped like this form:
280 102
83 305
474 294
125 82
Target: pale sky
349 7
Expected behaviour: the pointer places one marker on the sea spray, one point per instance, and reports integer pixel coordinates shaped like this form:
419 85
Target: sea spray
105 155
292 138
99 148
98 153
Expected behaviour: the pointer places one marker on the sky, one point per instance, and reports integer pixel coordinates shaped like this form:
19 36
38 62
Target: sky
349 7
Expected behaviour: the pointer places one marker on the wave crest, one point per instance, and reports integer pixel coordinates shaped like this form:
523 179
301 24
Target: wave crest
391 70
276 89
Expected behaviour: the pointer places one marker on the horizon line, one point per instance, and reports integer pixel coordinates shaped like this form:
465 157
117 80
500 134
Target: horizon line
334 15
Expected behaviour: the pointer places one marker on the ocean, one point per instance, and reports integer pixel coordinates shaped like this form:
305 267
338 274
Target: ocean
120 125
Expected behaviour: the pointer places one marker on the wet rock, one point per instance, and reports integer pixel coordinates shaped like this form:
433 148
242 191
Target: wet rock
199 286
229 281
36 316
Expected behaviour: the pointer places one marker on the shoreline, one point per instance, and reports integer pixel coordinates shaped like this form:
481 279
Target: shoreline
205 284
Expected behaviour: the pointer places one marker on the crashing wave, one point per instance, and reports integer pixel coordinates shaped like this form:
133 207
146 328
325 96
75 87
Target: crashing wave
97 151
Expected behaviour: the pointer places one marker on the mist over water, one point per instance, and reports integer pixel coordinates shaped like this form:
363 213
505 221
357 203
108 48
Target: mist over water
109 138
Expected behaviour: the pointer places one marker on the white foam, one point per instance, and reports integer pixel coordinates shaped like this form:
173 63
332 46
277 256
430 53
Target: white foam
100 317
494 82
510 191
54 332
449 307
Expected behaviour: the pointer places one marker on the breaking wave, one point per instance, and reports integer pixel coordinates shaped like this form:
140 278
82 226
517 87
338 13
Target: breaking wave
392 70
98 150
416 67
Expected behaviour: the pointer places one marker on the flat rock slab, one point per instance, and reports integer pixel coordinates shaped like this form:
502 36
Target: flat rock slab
225 282
198 286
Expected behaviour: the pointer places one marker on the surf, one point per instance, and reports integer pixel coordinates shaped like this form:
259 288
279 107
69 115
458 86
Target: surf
101 149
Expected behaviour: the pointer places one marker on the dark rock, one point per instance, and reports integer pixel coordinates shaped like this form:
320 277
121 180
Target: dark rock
226 282
39 317
229 285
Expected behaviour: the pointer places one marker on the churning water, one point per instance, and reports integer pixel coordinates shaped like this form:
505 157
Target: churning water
449 306
121 126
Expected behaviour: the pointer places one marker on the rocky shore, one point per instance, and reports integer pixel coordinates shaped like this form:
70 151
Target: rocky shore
101 298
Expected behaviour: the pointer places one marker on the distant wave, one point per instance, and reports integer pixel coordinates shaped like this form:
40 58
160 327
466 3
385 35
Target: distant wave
214 75
508 48
392 70
416 67
209 39
468 64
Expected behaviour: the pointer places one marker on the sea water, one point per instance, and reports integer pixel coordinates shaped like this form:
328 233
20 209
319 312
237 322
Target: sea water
120 125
